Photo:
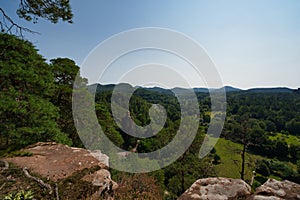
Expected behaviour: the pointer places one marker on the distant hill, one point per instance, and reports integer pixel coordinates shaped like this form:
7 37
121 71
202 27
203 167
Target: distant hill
109 87
100 88
228 89
201 89
232 89
160 90
104 88
271 90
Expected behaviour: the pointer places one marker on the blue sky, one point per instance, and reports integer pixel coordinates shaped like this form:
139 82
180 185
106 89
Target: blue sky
252 43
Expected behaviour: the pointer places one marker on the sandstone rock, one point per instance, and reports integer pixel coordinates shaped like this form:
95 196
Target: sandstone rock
217 189
273 189
260 197
56 161
100 156
102 179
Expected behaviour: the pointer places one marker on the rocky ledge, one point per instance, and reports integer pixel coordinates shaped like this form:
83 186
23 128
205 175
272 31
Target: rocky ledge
217 189
227 188
59 165
277 190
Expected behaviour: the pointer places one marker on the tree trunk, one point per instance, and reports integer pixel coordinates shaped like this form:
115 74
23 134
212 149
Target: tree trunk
243 161
182 182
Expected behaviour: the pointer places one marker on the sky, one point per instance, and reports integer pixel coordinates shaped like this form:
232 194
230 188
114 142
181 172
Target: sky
251 43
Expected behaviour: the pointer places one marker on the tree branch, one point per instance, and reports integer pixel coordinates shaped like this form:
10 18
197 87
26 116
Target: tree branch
7 25
40 182
56 192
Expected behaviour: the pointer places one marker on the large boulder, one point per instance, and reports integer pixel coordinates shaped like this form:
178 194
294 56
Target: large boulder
217 189
273 189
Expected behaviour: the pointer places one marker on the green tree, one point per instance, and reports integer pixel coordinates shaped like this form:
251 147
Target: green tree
262 168
298 166
281 149
26 84
270 126
294 152
65 71
108 125
293 126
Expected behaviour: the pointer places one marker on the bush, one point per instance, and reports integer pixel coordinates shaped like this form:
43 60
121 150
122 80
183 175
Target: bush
217 159
281 169
22 195
262 168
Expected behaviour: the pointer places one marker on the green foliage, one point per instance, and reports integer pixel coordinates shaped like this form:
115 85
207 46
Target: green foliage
22 195
52 10
282 170
293 126
65 72
281 149
298 166
291 140
26 114
262 168
258 181
217 159
295 152
108 124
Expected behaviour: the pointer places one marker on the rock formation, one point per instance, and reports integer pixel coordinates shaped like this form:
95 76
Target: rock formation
217 189
273 189
227 188
57 162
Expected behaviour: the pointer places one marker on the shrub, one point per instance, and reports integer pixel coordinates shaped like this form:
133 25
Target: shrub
22 195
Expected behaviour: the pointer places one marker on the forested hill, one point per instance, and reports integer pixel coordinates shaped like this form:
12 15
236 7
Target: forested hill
266 122
108 87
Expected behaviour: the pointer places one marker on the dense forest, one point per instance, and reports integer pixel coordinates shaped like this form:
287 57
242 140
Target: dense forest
262 125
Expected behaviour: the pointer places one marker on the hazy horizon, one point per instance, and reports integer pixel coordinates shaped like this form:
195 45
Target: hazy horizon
152 86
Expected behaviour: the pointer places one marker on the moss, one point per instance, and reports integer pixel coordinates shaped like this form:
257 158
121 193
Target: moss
17 153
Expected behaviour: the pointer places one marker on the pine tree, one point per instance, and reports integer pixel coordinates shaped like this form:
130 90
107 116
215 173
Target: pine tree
26 84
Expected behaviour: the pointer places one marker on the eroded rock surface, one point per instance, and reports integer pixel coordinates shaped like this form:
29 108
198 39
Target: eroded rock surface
217 189
58 162
102 179
273 189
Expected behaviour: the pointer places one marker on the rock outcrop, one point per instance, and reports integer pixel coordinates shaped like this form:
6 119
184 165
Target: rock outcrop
273 189
102 179
58 162
103 158
217 189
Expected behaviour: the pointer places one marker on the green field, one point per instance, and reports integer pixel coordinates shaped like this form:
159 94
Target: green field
230 165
